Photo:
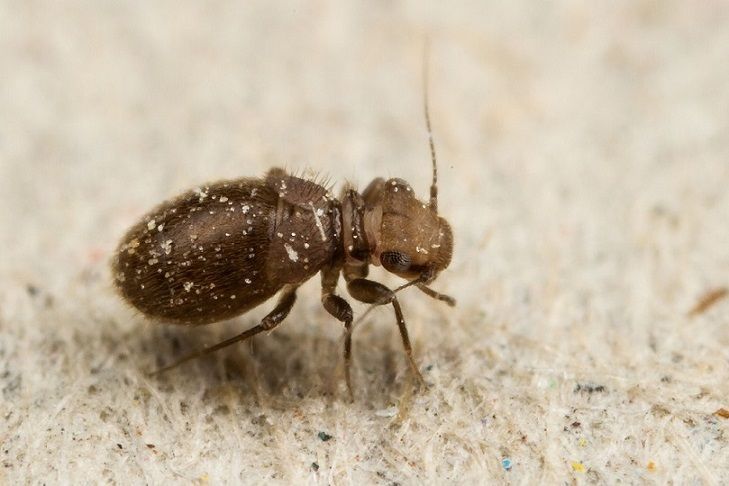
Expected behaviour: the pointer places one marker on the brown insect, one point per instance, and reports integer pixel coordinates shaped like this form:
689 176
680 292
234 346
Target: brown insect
220 250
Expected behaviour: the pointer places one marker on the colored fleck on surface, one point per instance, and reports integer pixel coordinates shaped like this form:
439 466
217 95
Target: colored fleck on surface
324 436
723 413
506 464
578 467
314 466
651 466
707 300
582 442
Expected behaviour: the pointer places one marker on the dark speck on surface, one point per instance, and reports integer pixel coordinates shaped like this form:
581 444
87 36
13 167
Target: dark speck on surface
589 388
324 436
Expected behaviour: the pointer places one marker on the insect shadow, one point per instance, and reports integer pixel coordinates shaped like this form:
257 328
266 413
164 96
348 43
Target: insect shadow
288 363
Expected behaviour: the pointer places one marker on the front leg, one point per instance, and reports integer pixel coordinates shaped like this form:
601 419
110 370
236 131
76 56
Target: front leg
371 292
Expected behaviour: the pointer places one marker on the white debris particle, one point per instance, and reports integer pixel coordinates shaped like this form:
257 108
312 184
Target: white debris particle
232 296
248 281
132 245
223 199
167 274
306 245
387 412
421 250
280 235
394 183
395 190
245 208
293 256
167 247
201 194
188 286
227 234
160 227
317 213
435 246
151 225
152 261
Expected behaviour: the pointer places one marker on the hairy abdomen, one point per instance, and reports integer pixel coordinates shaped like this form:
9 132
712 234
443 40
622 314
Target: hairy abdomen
220 250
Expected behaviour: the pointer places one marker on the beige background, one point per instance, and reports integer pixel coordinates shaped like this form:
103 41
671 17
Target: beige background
584 166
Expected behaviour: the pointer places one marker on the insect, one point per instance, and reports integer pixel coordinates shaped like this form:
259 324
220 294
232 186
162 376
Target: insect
217 251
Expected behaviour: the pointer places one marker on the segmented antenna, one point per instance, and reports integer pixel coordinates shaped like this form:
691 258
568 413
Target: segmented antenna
434 184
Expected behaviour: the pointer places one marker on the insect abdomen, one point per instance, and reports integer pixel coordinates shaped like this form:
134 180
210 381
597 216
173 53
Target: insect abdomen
218 251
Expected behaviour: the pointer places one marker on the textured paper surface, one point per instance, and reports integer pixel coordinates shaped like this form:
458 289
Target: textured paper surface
584 165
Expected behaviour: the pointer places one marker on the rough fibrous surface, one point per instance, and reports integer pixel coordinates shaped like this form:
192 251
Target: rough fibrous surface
583 167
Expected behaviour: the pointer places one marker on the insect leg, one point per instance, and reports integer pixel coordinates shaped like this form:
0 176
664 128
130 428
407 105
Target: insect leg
342 311
371 292
373 190
437 295
273 319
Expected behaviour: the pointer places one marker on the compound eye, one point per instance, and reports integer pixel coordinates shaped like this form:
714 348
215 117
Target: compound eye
395 262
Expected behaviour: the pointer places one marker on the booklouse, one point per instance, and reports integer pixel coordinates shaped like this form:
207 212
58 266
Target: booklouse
219 250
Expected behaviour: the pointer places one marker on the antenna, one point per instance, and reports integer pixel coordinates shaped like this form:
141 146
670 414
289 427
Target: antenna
434 184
